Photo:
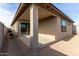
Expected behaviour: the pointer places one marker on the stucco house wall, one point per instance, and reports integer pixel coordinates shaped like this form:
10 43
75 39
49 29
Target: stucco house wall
61 35
50 31
15 27
47 31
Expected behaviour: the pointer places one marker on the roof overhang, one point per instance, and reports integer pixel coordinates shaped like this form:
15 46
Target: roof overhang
50 7
21 9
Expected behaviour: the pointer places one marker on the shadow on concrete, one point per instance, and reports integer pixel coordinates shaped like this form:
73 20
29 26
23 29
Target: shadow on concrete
48 51
53 42
16 47
68 38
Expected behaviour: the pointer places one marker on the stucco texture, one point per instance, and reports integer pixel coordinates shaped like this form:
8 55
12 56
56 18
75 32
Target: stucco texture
50 31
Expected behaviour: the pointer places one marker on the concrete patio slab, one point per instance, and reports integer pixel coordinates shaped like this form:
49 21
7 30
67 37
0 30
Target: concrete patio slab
68 46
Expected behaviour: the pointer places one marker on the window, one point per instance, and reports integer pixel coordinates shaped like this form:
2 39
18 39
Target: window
25 28
63 26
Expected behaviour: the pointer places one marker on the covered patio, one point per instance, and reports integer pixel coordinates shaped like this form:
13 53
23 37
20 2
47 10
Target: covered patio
37 24
34 28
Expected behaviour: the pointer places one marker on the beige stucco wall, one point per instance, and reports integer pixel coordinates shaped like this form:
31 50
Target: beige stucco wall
15 27
47 31
61 35
50 31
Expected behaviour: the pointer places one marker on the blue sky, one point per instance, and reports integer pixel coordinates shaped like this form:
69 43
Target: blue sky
8 10
70 9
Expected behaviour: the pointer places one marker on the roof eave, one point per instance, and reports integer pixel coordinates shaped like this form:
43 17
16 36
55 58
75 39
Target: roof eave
62 13
21 4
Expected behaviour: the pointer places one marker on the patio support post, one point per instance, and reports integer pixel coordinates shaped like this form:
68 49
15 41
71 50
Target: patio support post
34 29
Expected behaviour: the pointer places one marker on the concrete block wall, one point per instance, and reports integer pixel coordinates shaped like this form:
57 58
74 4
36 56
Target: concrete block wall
3 30
1 34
